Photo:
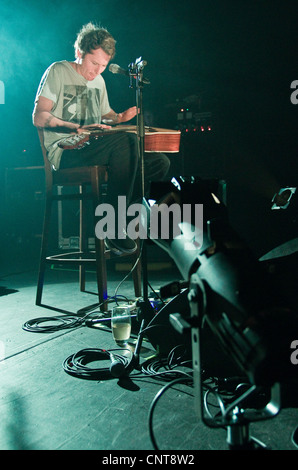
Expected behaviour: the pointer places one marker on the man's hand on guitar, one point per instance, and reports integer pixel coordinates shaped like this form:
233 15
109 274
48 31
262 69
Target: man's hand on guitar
127 115
91 127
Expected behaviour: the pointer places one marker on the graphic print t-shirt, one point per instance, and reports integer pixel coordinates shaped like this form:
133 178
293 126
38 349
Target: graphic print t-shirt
75 100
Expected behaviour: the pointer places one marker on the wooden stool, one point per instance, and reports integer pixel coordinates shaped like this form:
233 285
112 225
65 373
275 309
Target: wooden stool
93 177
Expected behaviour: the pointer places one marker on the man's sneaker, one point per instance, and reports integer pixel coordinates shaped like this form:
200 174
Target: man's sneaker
121 245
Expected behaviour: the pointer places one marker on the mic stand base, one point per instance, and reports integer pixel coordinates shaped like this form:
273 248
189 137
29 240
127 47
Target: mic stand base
238 436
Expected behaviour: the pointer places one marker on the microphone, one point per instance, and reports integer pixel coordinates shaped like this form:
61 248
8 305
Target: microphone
93 322
114 68
117 367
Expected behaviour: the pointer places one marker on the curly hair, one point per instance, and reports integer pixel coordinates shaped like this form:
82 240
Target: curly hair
92 37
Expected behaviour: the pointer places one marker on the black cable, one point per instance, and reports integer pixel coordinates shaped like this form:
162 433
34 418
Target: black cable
183 379
61 322
295 437
120 365
78 364
156 293
173 361
220 403
130 272
37 325
164 368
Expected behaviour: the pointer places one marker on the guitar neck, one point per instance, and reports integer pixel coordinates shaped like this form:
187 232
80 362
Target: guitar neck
156 139
129 128
112 130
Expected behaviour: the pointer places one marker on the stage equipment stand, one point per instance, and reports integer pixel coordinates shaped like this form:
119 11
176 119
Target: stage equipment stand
235 418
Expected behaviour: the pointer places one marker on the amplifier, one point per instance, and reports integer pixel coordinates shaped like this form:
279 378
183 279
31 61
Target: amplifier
68 223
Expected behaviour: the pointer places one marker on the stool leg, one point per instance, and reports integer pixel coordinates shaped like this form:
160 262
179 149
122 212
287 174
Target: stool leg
98 177
43 250
101 274
83 238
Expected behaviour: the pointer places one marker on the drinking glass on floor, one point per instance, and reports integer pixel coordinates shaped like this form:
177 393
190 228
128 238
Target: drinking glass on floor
121 325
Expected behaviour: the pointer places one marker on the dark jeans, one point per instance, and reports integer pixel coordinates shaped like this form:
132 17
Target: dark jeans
120 153
156 167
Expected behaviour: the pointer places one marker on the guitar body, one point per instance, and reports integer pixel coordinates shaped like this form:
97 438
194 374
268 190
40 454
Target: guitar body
156 139
162 140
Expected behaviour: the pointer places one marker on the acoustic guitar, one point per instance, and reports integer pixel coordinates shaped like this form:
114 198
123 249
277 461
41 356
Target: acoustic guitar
156 139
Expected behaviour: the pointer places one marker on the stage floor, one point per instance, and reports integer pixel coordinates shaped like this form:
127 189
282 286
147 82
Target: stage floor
44 408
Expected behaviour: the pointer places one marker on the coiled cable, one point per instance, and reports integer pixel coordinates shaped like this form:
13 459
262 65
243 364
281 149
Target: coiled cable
79 364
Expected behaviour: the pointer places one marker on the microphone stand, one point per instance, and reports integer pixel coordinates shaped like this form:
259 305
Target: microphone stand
136 71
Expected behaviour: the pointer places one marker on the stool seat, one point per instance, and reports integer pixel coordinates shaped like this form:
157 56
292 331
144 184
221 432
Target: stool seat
80 179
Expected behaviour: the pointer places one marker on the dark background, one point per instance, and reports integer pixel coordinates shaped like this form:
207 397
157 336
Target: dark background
234 59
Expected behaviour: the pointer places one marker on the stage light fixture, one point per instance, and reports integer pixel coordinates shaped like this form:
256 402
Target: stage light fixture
230 292
233 292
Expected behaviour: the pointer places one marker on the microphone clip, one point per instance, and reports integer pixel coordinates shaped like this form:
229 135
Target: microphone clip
136 70
138 65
